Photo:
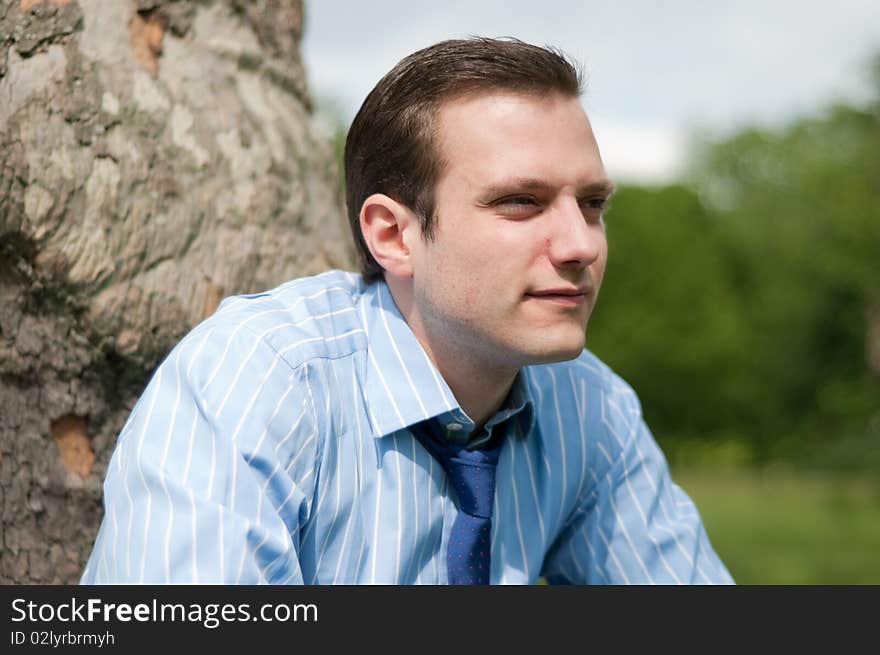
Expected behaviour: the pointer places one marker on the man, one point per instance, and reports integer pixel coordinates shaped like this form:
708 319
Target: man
327 431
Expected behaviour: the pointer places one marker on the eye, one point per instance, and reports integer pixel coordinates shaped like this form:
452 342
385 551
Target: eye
598 203
517 200
517 206
593 207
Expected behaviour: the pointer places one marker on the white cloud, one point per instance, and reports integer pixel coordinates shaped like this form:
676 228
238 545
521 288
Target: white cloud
635 152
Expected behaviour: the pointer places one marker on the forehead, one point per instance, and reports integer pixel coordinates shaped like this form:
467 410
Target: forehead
484 137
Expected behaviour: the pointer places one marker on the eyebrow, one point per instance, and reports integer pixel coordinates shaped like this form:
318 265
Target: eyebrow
602 186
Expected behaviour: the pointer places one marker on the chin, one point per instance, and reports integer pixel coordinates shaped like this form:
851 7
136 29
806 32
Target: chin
548 353
563 355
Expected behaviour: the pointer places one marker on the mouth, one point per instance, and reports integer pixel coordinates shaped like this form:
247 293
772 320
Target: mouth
566 297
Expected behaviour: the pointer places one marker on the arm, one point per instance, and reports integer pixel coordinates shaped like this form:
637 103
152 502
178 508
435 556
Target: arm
213 472
634 525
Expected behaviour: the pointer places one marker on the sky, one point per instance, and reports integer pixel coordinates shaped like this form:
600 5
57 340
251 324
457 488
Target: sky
658 72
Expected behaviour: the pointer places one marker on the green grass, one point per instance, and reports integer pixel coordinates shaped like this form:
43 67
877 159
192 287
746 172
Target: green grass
779 526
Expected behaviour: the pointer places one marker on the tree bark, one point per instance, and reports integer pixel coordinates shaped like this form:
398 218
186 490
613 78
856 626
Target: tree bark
155 156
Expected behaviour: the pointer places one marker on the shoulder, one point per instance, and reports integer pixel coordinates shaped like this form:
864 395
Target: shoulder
297 303
243 374
305 318
265 337
586 401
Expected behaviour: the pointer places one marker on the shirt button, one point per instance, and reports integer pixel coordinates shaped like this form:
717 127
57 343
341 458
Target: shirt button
455 427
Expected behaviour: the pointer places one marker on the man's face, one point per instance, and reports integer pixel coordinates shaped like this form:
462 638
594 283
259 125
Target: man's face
519 248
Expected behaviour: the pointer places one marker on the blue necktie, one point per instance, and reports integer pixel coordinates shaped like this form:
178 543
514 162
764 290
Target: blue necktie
472 475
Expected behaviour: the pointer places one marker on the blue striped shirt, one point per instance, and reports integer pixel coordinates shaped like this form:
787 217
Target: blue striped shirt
274 445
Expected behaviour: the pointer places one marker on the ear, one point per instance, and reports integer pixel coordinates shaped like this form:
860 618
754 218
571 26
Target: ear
387 227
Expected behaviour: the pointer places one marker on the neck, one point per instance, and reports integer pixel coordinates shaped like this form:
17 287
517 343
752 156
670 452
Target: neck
479 385
478 388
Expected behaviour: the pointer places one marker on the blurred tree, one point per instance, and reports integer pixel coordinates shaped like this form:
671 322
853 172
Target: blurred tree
746 303
667 319
155 156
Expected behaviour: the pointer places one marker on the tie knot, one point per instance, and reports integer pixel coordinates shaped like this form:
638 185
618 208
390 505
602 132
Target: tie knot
471 472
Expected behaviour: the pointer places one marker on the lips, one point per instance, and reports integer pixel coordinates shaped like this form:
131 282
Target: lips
566 291
567 296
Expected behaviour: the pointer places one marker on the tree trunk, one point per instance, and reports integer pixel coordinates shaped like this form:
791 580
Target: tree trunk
155 156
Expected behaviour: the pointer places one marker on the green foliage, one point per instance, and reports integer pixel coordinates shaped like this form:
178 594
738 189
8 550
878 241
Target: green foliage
738 305
667 319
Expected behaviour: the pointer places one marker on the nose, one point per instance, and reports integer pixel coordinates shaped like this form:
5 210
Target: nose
576 240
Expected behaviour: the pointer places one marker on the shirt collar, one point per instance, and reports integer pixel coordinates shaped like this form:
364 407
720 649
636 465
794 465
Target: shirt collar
518 404
403 387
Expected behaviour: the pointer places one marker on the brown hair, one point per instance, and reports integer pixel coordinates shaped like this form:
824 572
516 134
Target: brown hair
390 146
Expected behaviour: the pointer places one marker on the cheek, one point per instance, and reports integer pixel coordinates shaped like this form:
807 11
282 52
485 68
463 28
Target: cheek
464 288
475 269
486 276
472 295
451 281
599 265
